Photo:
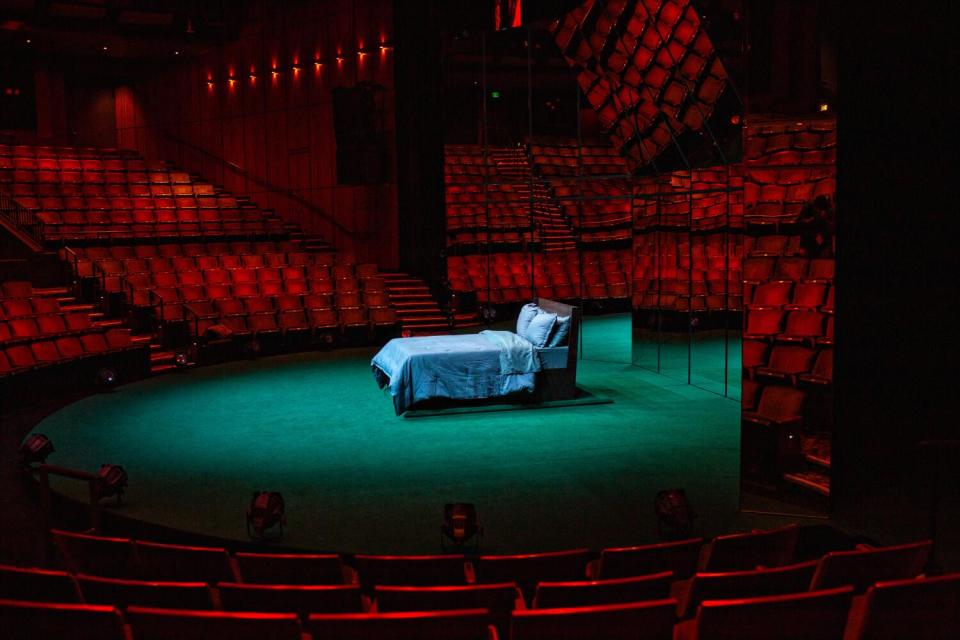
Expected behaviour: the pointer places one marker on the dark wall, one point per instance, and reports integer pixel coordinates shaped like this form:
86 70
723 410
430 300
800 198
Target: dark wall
896 354
91 116
272 135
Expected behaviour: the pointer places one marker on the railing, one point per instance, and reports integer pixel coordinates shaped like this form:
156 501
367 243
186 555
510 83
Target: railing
22 218
44 471
269 187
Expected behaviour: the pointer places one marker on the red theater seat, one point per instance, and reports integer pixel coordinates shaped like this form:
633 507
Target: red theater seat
598 592
410 570
818 615
732 585
266 568
299 599
459 624
97 555
183 563
921 609
679 557
635 621
163 624
743 551
863 567
530 569
126 593
34 620
41 585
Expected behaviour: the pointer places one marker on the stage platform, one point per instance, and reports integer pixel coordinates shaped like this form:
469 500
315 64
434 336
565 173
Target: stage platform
357 478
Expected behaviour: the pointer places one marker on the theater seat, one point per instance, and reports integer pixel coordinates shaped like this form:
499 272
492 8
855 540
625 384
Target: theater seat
410 570
597 592
863 567
183 563
41 585
679 557
34 620
266 568
460 624
141 593
921 609
96 555
530 569
730 585
299 599
164 624
817 615
635 621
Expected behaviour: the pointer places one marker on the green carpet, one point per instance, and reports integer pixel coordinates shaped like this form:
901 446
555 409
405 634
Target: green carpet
358 478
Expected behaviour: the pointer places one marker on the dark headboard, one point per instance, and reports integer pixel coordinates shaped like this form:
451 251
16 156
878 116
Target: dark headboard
573 338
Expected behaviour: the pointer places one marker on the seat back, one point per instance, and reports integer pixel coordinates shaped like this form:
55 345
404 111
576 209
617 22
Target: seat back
747 584
34 620
679 557
634 621
140 593
655 586
95 555
817 615
500 597
410 570
300 599
924 609
861 568
744 551
458 624
40 585
183 563
163 624
530 569
265 568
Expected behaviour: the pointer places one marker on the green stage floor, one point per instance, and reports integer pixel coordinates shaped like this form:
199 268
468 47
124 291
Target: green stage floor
356 477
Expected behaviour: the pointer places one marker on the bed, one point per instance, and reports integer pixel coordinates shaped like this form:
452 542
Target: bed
489 364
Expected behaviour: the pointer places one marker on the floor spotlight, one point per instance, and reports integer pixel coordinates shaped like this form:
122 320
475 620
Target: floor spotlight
111 480
266 509
36 448
181 360
674 514
106 377
460 523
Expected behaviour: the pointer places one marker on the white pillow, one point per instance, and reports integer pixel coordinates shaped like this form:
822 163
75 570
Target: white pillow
538 332
559 336
527 313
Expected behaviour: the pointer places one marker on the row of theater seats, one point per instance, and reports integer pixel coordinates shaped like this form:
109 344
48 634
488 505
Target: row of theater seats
560 274
676 271
570 160
36 333
250 288
787 165
110 197
637 68
741 585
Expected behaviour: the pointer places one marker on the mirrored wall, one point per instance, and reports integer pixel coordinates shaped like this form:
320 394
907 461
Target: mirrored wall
607 159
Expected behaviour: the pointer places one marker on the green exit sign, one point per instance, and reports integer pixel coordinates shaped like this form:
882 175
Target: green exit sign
494 94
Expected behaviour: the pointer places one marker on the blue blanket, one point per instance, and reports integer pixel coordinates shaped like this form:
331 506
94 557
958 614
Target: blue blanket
462 367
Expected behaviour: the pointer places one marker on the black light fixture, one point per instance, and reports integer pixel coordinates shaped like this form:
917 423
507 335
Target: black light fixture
674 514
35 448
266 509
460 524
111 480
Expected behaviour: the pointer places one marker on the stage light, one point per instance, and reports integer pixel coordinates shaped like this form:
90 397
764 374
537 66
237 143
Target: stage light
104 47
111 480
265 510
29 40
181 359
176 53
674 514
824 107
36 448
460 523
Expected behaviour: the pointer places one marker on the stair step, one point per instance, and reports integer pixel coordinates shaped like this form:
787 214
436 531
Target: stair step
51 291
162 368
161 356
108 324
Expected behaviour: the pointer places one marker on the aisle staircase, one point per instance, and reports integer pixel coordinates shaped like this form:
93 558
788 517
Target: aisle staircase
814 474
417 310
555 230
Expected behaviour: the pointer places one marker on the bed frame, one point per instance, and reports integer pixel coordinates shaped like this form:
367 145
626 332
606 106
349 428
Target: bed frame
554 382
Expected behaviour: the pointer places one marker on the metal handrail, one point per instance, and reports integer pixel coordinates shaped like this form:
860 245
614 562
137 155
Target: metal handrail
23 219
